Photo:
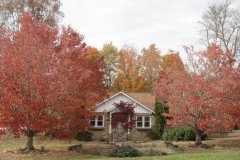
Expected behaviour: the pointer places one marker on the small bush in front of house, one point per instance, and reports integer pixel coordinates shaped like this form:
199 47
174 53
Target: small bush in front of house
152 152
189 134
235 127
179 134
125 151
49 135
101 139
173 147
84 136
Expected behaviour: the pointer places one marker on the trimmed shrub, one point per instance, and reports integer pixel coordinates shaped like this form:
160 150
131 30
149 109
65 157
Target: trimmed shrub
235 127
179 134
189 134
124 151
49 135
152 152
84 136
173 147
101 139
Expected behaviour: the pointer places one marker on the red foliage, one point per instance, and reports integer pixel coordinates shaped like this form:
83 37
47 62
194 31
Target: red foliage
205 96
124 115
47 83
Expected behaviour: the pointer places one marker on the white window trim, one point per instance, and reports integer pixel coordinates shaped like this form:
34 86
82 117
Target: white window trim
96 122
143 122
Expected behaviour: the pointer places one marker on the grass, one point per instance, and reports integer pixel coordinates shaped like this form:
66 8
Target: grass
55 149
226 155
227 148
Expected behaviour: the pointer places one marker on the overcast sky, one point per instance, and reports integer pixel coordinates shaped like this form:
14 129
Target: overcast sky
167 23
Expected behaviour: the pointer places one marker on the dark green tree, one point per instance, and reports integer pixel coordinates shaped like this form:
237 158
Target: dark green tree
160 120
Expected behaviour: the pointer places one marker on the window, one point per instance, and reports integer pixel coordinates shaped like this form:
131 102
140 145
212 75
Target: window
147 122
100 121
143 122
97 122
92 121
139 121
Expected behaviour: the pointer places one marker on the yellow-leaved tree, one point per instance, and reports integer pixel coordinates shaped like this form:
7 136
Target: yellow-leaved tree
150 61
128 77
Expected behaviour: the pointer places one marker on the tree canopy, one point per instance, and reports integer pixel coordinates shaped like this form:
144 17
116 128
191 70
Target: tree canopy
150 61
205 95
47 82
110 55
128 77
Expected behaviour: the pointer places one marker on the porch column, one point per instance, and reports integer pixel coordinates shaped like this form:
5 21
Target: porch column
128 122
110 125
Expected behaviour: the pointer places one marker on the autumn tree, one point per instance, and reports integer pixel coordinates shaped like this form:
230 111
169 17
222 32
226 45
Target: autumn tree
93 53
150 60
47 82
220 24
128 77
12 10
205 96
110 56
124 115
172 61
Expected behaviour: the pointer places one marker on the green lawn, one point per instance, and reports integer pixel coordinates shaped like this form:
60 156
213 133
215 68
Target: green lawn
57 150
225 155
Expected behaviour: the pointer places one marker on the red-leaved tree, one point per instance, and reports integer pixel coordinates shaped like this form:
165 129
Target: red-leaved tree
124 115
204 96
47 82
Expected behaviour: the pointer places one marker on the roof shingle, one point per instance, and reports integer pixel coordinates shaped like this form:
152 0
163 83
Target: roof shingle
146 99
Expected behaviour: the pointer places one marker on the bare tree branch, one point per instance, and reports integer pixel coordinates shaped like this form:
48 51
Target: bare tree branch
220 24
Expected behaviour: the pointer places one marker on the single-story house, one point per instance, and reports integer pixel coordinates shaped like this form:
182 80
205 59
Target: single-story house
144 104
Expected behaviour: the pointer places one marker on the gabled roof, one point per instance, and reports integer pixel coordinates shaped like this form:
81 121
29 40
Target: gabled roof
146 100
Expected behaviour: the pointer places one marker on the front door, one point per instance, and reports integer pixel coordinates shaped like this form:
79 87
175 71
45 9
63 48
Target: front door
117 122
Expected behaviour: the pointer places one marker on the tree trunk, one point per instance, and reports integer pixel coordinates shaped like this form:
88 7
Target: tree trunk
198 141
29 145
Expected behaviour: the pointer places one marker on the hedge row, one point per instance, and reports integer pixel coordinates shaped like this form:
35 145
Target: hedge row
181 134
